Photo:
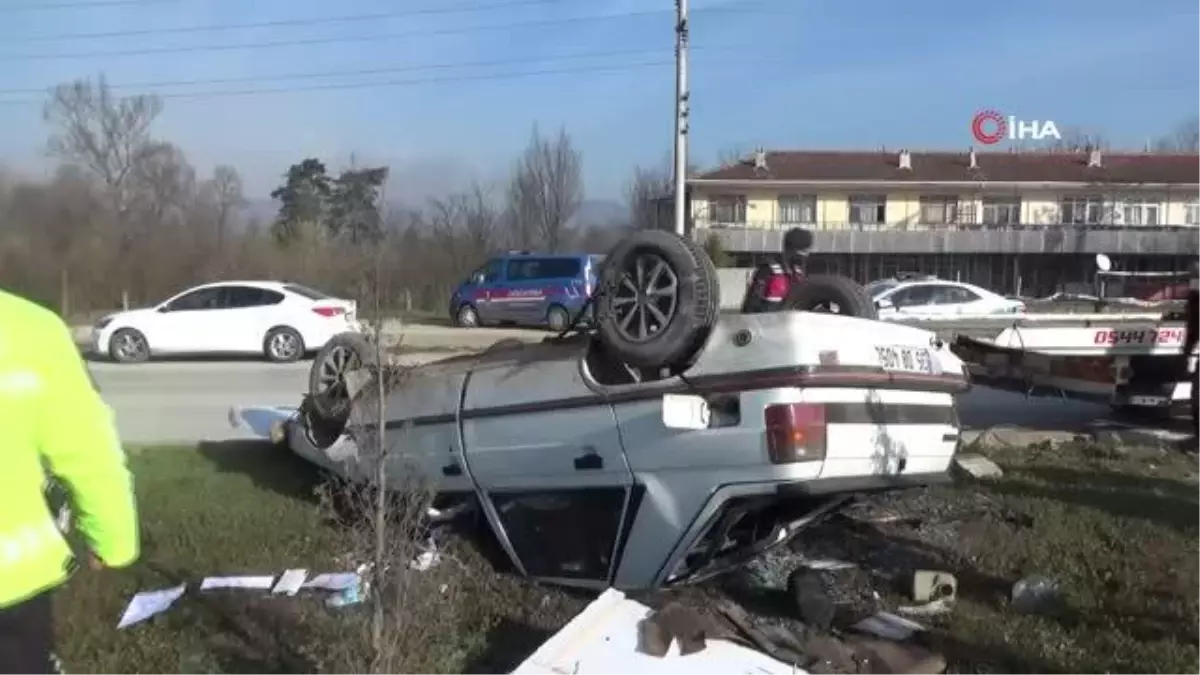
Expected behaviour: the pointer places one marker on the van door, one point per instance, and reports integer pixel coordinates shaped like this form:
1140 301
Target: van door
484 295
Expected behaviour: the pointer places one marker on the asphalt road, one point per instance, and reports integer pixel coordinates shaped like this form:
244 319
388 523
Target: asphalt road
188 402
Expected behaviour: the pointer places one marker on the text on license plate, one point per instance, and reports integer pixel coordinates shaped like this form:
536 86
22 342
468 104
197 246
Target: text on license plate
908 359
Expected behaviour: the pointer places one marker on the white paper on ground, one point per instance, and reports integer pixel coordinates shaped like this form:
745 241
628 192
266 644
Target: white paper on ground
255 582
603 638
334 581
290 582
146 604
888 626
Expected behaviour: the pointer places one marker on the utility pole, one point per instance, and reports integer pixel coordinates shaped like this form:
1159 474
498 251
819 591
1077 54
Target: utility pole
681 115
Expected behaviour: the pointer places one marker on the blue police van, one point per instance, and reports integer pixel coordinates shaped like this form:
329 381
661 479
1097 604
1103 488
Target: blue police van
529 289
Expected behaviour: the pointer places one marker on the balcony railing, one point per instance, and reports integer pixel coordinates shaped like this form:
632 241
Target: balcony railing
914 226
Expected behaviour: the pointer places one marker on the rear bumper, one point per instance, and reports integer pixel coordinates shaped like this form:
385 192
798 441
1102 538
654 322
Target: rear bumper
832 486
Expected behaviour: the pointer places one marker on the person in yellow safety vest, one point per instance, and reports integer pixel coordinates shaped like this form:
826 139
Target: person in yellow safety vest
52 417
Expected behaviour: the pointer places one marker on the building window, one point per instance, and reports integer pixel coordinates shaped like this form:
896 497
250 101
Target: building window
728 209
1141 212
868 209
1191 213
1001 211
941 211
797 209
1085 210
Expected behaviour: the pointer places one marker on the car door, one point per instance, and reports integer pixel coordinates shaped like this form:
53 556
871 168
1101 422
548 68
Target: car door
962 300
556 499
487 293
524 291
913 300
190 323
249 312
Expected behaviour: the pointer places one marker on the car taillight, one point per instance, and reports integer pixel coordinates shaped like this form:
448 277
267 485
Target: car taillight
796 432
329 311
777 287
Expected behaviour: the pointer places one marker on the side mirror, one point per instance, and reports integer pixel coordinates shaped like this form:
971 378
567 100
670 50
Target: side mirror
884 303
477 278
162 309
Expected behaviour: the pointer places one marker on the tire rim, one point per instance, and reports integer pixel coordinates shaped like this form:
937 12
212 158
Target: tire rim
827 308
284 345
331 374
558 320
646 299
130 346
466 316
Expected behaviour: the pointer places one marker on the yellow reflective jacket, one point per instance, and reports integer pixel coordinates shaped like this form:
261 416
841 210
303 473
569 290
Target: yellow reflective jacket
52 416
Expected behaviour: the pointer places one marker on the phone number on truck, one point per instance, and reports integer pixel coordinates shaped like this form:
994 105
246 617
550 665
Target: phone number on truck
1150 336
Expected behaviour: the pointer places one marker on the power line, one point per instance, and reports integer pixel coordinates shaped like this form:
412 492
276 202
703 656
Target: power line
332 40
280 23
412 67
33 7
335 86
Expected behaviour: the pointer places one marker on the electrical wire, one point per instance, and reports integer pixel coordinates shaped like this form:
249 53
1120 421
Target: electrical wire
415 67
342 86
457 30
280 23
37 6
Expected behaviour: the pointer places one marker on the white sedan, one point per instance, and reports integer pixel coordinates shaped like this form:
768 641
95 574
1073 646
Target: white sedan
280 320
895 299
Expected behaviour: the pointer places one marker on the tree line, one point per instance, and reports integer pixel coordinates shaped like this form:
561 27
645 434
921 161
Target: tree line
125 218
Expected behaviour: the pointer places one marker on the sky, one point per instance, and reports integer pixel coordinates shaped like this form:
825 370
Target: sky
455 87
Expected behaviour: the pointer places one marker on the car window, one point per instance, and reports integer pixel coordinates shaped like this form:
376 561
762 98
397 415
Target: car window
493 270
559 268
310 293
202 298
878 288
953 295
912 296
249 296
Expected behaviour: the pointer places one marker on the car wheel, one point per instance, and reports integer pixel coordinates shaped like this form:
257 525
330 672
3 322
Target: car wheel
558 319
283 345
129 346
328 395
466 317
830 294
660 300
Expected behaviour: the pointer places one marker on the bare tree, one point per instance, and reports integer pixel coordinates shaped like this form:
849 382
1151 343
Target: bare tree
732 154
644 193
227 195
1184 138
100 131
1077 140
545 191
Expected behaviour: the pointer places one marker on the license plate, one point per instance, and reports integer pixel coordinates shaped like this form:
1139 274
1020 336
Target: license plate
907 359
1148 401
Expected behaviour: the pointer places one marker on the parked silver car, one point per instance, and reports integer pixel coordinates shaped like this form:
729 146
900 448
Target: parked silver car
667 445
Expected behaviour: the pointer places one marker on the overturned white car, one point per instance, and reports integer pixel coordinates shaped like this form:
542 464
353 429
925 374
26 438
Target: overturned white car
668 444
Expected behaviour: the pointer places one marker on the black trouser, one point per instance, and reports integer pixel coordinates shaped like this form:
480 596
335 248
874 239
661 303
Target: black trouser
27 636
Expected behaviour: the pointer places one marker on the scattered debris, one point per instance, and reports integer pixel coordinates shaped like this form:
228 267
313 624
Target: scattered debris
885 656
252 582
933 608
977 466
1035 594
604 637
672 623
826 596
930 585
146 604
333 581
888 626
290 582
426 559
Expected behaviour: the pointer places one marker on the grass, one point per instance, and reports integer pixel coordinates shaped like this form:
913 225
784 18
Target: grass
245 508
1116 531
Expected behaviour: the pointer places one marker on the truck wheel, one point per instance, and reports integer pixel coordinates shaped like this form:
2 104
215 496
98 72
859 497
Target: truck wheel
660 299
830 294
327 390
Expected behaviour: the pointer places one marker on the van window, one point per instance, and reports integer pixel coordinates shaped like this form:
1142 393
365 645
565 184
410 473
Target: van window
528 269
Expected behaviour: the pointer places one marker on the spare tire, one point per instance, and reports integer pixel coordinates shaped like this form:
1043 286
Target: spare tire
831 294
327 392
660 298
